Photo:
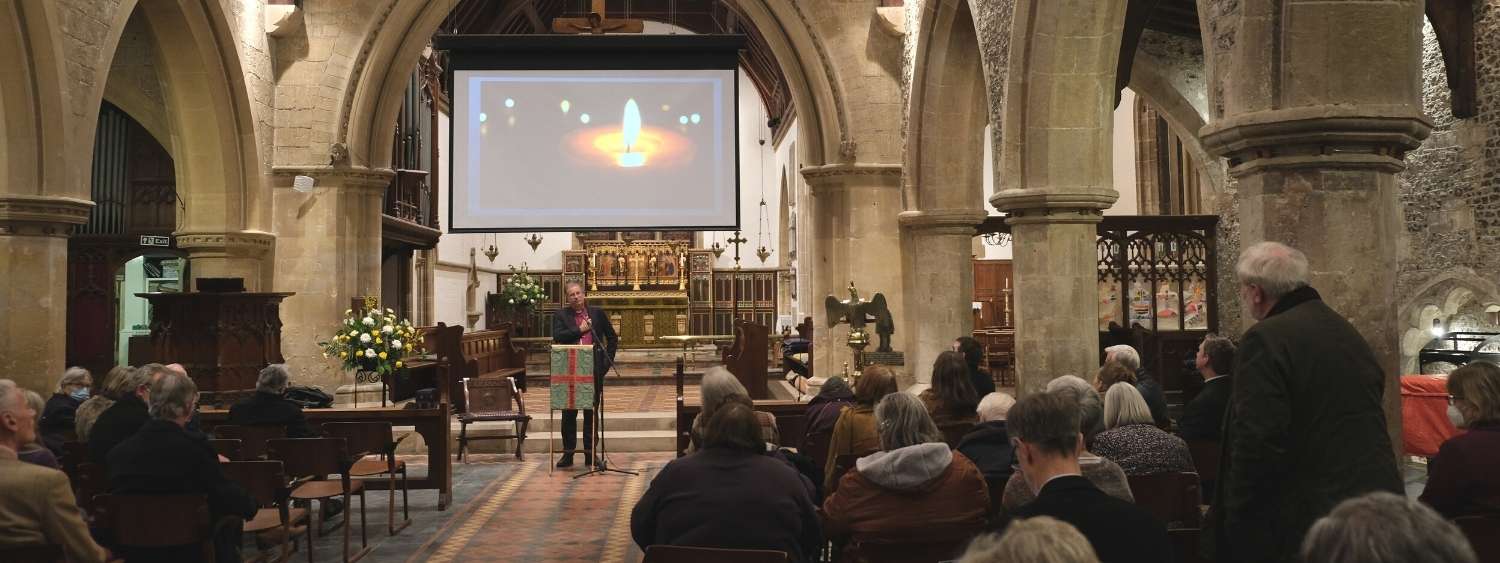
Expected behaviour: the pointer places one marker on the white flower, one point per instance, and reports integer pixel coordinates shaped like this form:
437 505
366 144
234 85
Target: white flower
369 321
369 352
387 329
395 343
348 311
390 311
364 338
512 301
353 333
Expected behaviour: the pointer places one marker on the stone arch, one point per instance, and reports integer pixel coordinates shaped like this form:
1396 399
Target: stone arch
1440 298
32 112
1151 80
382 70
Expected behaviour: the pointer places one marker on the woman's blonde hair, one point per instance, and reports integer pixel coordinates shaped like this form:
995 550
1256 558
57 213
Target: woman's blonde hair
1041 539
1123 405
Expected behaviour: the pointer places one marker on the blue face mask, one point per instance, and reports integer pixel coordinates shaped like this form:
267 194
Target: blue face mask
82 394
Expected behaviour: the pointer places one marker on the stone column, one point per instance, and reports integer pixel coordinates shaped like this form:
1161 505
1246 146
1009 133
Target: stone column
855 237
34 286
939 282
1315 142
238 254
328 252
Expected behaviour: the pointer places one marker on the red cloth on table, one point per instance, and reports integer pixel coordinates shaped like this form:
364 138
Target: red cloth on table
1424 414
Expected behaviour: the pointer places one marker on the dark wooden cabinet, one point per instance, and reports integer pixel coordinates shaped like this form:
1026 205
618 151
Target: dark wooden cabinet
223 339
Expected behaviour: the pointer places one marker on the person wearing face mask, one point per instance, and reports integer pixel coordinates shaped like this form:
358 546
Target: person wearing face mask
58 415
1461 478
1045 430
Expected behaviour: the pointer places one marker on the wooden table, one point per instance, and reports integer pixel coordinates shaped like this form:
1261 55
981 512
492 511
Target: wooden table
432 424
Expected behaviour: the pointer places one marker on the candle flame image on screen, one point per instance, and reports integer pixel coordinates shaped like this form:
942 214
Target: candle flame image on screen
630 144
630 132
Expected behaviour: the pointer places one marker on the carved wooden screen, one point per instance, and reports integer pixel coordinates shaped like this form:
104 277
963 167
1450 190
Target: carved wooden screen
1161 280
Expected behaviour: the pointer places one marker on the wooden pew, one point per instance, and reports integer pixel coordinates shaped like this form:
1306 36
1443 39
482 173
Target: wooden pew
746 358
791 416
480 353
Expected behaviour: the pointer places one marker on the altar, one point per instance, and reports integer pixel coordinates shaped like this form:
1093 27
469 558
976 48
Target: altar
642 284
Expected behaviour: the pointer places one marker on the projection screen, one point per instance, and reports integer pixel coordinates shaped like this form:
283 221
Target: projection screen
598 133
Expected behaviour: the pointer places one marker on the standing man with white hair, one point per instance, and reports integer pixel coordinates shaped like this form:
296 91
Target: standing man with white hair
1305 429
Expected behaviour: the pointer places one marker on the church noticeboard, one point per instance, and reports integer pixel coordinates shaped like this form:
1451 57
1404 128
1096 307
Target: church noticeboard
572 381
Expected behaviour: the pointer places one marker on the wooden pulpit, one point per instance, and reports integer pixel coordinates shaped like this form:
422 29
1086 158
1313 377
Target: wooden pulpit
223 339
747 357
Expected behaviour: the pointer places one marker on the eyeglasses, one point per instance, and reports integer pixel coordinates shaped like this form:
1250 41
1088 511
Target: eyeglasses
1453 399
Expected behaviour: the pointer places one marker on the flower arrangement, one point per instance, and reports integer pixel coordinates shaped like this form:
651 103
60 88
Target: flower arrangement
373 340
521 291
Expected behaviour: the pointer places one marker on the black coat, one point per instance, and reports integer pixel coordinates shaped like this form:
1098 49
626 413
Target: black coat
1306 430
269 409
118 423
729 499
982 382
1156 398
989 447
1119 531
1203 417
58 421
565 331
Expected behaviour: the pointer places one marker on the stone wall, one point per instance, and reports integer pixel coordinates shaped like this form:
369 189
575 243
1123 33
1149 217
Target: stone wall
1221 18
134 85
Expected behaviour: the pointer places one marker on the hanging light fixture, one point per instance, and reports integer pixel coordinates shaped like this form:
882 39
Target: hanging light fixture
765 215
534 240
996 239
716 247
493 250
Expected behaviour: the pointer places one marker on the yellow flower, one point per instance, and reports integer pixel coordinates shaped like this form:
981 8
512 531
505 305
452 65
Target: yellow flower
398 363
377 340
343 355
382 355
408 347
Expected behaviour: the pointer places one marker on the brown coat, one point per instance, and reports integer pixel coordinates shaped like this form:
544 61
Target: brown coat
956 498
37 507
853 434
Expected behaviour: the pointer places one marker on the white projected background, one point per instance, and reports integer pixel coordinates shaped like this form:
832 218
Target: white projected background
593 149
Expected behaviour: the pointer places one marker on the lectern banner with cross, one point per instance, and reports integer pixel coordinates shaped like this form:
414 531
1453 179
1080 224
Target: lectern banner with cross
572 380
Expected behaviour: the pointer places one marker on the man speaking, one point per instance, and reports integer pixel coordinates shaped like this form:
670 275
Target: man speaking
579 323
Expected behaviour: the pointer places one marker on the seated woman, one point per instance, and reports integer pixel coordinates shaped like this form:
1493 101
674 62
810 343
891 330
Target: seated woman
914 487
1102 472
951 400
35 452
113 388
58 423
822 413
716 388
1133 441
729 494
1461 479
854 431
1111 373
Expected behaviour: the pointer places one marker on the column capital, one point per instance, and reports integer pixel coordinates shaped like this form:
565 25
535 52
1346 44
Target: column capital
358 177
832 176
251 243
53 216
1051 206
943 221
1325 136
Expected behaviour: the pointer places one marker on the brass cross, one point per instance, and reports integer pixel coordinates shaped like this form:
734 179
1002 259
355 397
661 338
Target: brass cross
597 23
737 240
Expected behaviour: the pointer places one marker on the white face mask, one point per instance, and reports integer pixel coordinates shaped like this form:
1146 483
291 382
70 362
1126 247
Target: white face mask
1456 417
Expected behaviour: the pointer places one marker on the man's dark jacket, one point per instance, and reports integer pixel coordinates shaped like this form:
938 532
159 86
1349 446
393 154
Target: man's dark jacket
565 331
1305 430
118 423
1119 531
1156 398
269 409
1203 417
988 446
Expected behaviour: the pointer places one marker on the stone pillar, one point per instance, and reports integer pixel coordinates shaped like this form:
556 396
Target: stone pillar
939 282
34 286
240 254
1315 143
855 237
328 252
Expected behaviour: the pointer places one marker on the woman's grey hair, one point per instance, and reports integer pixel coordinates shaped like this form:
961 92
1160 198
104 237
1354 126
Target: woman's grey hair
172 396
8 388
995 406
139 377
1041 539
38 404
74 376
1090 404
902 421
1123 405
273 379
1381 527
717 385
1276 268
1125 354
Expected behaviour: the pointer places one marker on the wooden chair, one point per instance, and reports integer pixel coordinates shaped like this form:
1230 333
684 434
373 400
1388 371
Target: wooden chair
927 546
226 447
266 482
683 554
1171 497
46 553
142 522
90 480
252 438
490 399
315 458
376 438
1483 533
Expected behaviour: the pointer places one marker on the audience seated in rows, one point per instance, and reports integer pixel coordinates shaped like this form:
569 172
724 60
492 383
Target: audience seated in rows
854 432
58 424
717 387
266 407
110 390
1382 527
1464 478
1103 473
1150 389
914 487
127 415
1045 427
1040 539
1203 417
729 494
164 458
34 452
822 414
951 400
973 352
988 445
36 503
1133 441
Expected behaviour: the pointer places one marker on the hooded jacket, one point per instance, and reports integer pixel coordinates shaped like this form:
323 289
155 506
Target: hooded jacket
907 491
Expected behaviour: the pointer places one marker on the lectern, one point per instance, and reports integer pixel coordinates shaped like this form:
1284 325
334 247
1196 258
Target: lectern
223 339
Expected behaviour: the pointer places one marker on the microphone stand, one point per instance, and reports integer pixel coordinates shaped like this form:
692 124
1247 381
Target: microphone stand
601 454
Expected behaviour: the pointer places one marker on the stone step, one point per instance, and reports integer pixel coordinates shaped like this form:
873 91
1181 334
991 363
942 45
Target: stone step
624 432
